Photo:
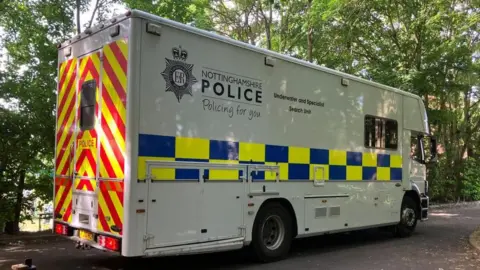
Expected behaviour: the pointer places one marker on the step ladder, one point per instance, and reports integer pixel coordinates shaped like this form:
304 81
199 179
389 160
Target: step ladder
424 203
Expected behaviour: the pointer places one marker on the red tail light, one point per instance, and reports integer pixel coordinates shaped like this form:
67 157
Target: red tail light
61 229
109 242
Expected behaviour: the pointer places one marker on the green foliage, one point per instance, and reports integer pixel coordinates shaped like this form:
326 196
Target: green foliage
27 91
441 183
193 12
471 180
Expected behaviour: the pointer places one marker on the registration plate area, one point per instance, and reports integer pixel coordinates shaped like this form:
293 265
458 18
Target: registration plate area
86 235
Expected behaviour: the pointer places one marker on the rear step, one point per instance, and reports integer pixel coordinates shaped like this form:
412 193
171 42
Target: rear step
424 203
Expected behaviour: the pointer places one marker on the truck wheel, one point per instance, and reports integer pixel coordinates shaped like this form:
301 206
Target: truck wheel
408 218
272 233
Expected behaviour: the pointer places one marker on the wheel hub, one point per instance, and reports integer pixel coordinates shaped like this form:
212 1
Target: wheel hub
408 216
273 232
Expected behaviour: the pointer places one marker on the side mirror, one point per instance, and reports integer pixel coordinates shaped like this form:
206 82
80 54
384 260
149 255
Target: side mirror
433 150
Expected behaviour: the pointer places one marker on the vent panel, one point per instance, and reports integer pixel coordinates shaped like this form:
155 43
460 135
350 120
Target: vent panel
320 212
334 211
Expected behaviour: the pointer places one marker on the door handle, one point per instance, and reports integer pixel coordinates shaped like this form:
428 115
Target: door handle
318 182
398 184
154 200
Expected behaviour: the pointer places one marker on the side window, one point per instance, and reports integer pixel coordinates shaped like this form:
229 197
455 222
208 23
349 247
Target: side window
370 133
420 149
87 105
391 134
381 133
415 150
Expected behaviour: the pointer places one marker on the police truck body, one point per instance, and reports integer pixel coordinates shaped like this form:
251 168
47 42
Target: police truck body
173 140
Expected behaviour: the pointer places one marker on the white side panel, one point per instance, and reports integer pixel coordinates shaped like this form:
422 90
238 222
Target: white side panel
174 213
195 216
418 174
214 213
324 214
200 97
188 211
336 123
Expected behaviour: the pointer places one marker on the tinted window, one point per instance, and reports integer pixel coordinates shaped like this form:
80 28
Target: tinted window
381 133
87 105
415 150
391 134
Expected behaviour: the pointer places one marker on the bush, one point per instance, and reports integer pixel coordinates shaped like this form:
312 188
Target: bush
470 188
441 183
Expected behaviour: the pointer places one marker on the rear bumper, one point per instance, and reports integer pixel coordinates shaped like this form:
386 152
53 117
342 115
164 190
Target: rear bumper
73 234
90 243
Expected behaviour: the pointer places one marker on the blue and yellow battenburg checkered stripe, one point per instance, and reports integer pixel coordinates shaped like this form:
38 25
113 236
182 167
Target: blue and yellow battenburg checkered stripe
295 163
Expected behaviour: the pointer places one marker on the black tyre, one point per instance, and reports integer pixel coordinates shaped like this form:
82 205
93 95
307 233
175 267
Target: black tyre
272 233
408 218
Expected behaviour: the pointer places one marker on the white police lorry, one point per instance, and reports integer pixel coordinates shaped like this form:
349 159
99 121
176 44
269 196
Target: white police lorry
182 141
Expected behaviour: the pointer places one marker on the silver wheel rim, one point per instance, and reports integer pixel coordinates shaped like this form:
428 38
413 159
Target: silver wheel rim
408 216
273 232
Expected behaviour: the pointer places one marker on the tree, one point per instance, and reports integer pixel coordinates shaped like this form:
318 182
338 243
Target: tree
101 8
427 48
192 12
27 87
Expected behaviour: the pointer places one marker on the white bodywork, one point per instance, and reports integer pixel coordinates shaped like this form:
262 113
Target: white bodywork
200 215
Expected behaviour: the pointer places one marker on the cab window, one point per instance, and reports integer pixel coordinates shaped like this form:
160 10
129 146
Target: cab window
416 152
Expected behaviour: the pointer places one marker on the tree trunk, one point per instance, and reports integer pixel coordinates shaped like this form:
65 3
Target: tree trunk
309 35
269 39
79 27
18 202
93 13
268 28
310 45
3 167
267 22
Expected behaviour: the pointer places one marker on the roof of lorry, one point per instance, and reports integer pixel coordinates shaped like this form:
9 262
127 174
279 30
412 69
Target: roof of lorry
212 35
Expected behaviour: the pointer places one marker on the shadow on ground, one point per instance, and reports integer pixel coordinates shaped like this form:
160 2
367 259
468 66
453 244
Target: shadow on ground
441 242
243 258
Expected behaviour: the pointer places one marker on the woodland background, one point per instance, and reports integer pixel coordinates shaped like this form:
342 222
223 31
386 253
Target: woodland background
427 47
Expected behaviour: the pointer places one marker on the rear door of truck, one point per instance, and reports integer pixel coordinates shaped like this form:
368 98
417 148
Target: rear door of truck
90 140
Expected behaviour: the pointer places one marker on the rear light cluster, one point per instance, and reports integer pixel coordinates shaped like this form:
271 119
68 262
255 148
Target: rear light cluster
109 242
63 229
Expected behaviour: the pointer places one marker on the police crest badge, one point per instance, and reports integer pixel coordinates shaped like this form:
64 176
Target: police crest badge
178 74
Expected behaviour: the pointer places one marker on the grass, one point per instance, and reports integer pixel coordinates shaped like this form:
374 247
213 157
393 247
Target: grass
33 226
